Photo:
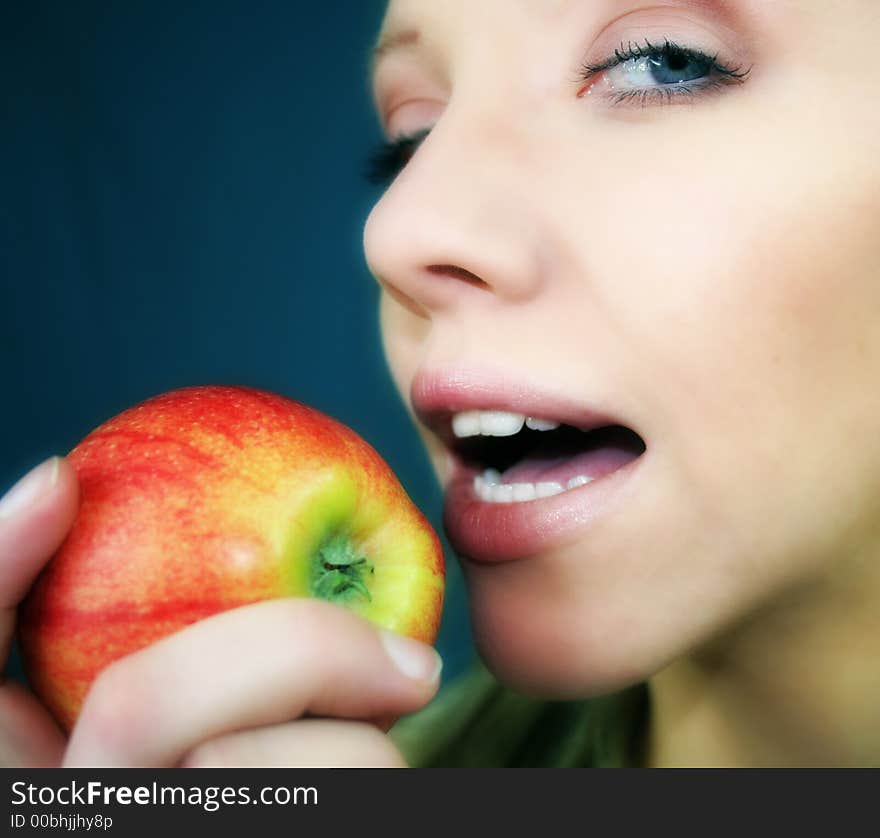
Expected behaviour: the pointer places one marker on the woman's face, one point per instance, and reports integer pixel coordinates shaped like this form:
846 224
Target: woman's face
688 249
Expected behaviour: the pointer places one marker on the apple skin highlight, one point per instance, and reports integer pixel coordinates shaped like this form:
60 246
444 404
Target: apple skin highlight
208 498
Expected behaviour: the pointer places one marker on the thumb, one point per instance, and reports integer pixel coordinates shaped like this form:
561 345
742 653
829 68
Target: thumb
262 664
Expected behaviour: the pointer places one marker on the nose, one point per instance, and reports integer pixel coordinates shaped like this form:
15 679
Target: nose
456 225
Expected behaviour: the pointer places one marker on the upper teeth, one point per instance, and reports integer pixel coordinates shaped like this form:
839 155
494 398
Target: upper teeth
496 423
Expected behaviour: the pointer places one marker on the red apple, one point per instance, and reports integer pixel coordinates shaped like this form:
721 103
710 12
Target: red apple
207 498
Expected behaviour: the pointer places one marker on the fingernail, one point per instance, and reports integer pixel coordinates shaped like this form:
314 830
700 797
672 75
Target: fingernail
34 485
417 661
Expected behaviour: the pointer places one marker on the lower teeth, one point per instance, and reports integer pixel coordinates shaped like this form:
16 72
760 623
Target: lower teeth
487 488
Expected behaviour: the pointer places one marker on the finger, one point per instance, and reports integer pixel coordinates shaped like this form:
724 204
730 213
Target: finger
260 664
306 743
29 736
35 516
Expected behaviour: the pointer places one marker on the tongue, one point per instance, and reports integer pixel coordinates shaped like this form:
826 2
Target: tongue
603 453
560 470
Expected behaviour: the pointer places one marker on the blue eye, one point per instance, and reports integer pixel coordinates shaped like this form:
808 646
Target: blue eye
670 71
386 161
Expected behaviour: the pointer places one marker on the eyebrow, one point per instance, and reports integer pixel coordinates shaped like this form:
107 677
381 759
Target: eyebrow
403 38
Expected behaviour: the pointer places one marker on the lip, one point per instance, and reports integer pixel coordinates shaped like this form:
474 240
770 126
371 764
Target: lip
497 532
437 395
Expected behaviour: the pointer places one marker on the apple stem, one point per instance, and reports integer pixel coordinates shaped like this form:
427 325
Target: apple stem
338 573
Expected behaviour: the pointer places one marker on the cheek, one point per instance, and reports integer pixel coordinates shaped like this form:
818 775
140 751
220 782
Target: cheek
404 335
759 310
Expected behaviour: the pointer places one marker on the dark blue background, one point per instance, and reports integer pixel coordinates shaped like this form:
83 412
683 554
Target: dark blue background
182 202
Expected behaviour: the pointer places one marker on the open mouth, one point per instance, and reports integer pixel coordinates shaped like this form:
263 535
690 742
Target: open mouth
530 468
517 458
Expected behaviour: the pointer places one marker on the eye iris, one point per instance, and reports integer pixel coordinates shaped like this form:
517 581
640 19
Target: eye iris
680 68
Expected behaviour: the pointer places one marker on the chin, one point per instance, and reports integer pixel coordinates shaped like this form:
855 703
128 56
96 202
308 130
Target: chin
550 640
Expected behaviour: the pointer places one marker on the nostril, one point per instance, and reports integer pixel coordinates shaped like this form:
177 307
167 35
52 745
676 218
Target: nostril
458 273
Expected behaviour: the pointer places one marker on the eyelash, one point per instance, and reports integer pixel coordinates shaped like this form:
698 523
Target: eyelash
386 161
669 92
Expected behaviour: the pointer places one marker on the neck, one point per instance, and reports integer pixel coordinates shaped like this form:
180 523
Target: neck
798 685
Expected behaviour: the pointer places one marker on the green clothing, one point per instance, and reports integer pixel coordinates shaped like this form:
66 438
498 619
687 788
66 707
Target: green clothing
475 722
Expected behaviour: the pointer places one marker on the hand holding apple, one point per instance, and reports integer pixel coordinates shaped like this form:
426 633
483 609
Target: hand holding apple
222 691
214 498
